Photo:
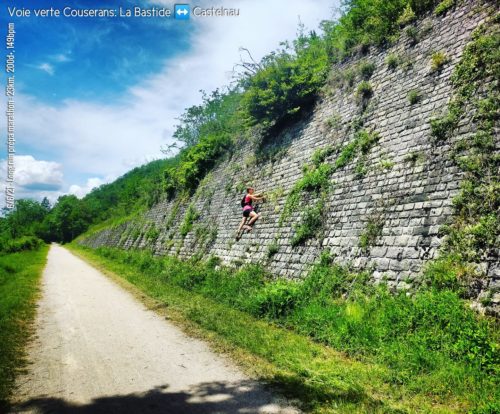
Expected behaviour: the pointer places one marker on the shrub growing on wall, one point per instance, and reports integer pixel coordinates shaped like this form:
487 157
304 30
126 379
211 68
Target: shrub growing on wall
195 163
286 81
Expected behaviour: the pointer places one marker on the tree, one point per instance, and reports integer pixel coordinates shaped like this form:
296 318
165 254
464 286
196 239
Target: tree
70 217
214 115
287 81
45 204
24 219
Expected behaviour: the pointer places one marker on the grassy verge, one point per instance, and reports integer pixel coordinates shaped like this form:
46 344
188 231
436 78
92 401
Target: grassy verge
19 282
399 354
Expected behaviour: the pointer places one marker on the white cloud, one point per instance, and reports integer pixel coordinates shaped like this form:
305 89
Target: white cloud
32 173
102 140
60 58
92 183
35 178
46 67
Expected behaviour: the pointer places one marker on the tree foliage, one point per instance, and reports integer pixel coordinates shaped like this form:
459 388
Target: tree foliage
195 163
70 216
287 80
214 116
207 132
23 220
370 22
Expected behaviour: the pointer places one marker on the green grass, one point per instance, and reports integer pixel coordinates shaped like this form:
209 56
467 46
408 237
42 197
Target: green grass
114 221
423 353
272 249
19 280
413 35
315 180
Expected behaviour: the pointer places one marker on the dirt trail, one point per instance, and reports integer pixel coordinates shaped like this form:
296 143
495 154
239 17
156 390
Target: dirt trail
98 350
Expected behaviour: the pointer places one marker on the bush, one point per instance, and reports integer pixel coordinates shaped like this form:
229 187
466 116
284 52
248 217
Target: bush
386 164
366 140
414 157
152 234
363 94
442 127
195 163
272 249
315 179
414 96
412 33
216 115
21 244
342 79
408 16
363 142
287 81
311 224
413 335
361 169
327 281
473 235
422 6
277 299
444 6
364 90
371 22
438 60
392 61
366 70
334 121
189 218
447 273
371 233
319 156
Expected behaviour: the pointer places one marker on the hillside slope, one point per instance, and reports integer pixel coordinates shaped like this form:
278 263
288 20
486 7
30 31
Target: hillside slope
362 175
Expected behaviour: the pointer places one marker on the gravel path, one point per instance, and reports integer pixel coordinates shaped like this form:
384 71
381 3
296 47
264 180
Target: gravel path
98 350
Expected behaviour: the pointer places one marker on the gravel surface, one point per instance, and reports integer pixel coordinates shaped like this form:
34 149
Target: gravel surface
98 350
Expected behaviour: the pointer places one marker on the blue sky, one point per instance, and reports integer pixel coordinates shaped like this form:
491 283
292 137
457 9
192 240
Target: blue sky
96 97
91 58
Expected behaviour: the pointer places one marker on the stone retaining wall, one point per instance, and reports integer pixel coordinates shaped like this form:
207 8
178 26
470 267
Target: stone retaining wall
407 188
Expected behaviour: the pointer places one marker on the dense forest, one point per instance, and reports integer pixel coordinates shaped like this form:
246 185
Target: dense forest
265 96
70 216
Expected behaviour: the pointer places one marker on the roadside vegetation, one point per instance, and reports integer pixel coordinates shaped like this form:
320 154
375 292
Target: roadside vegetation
21 264
333 341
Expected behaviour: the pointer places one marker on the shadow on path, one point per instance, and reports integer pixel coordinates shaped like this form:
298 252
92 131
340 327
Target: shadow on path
217 397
